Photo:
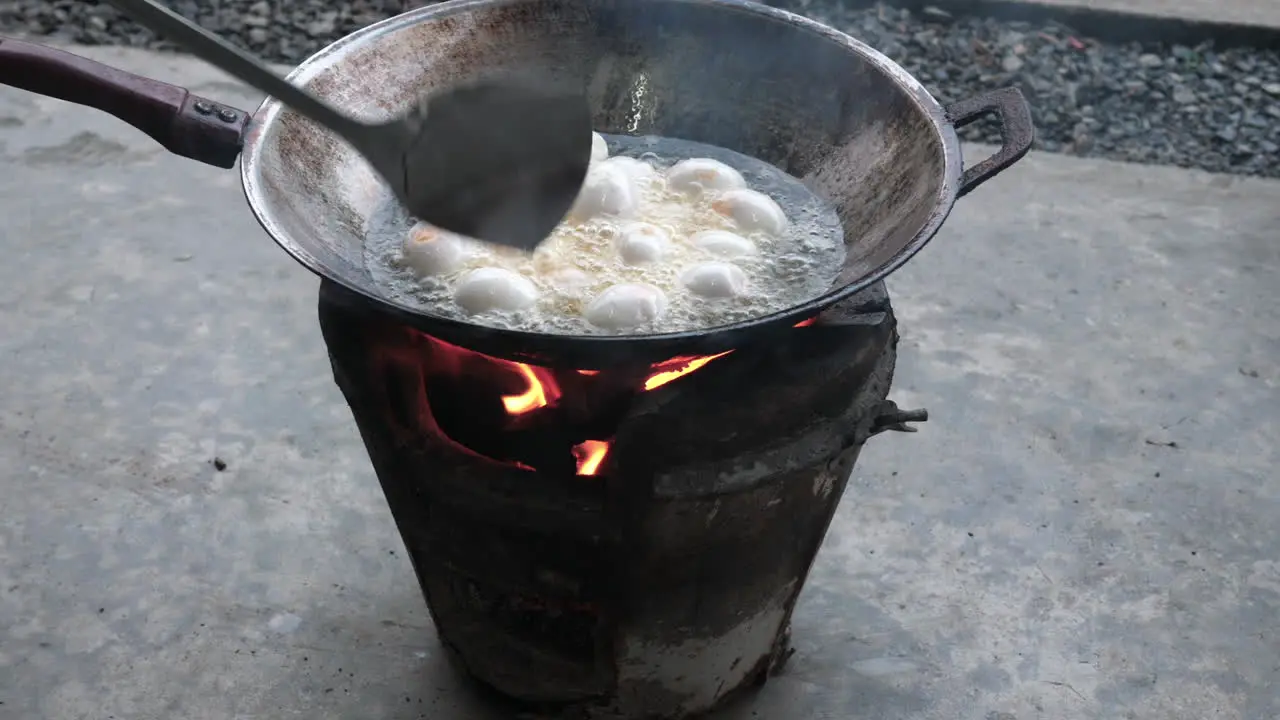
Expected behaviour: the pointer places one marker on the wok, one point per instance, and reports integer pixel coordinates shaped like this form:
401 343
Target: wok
855 126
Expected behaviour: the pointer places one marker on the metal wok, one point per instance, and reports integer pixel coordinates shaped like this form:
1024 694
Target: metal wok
855 126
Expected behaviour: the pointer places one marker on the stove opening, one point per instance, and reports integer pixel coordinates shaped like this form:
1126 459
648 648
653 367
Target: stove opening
534 418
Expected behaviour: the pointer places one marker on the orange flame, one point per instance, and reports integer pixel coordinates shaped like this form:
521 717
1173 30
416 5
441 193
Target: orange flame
590 453
531 399
676 368
543 390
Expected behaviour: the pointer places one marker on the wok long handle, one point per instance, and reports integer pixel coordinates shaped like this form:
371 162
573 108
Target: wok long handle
185 124
1017 134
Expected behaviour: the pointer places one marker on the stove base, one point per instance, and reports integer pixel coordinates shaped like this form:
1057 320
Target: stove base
660 588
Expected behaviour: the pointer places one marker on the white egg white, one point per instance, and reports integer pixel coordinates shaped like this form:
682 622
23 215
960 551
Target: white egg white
751 211
493 288
724 244
715 280
703 175
599 148
568 280
641 242
625 306
638 170
428 250
607 191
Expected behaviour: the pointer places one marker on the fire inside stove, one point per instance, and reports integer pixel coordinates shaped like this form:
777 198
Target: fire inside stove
525 416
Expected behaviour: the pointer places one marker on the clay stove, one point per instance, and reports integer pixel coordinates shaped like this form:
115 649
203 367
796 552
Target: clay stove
626 542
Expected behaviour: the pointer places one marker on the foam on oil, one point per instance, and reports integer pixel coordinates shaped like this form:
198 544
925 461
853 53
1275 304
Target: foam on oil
787 270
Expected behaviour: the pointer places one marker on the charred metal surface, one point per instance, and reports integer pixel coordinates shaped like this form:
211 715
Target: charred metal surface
660 586
821 105
1016 132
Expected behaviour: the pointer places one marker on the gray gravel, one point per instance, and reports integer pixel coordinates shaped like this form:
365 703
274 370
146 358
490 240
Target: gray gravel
1186 106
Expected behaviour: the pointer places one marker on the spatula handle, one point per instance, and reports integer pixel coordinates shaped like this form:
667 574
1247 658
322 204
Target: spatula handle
183 123
234 61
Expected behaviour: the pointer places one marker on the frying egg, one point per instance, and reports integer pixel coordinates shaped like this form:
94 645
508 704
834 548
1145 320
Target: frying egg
642 242
429 250
715 280
607 190
638 170
493 288
626 306
699 175
723 243
568 279
599 148
751 211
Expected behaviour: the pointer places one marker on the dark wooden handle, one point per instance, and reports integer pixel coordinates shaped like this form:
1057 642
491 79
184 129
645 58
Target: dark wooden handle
186 125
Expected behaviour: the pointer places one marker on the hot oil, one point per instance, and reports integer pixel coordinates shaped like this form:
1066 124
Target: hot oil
788 270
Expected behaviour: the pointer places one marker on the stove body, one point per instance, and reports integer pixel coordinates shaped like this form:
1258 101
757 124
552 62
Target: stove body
623 543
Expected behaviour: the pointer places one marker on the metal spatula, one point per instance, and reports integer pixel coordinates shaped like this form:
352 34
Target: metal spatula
501 161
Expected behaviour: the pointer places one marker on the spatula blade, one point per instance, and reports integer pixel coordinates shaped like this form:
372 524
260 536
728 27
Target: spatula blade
499 161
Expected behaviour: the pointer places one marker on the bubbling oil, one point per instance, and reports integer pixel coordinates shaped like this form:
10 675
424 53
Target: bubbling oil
581 260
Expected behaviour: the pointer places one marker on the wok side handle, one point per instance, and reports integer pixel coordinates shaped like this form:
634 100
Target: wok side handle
185 124
1016 132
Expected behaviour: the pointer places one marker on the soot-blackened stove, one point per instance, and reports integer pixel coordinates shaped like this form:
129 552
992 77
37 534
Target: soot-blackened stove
618 543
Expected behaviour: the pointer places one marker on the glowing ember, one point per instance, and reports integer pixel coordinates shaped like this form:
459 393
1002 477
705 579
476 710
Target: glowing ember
807 323
588 372
676 368
590 454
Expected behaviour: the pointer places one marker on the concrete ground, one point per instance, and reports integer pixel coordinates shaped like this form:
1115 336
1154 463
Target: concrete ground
1086 528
